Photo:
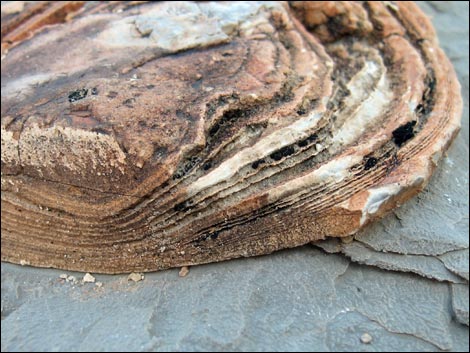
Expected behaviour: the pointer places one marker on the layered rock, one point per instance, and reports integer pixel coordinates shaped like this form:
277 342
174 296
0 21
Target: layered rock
138 137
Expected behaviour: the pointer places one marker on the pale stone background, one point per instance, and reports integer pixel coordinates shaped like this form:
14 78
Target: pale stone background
314 298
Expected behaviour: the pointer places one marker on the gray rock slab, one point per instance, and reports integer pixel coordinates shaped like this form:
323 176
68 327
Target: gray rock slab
457 262
460 302
331 245
300 299
451 267
252 304
426 266
345 331
398 302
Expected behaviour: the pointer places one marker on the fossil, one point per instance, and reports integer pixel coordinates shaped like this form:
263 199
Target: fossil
141 136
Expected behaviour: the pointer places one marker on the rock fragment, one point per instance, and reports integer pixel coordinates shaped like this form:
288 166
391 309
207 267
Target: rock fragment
88 278
366 338
184 271
460 304
135 277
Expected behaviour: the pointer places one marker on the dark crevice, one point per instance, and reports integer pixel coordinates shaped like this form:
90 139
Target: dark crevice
370 162
229 118
427 100
257 163
282 153
404 133
183 206
304 143
77 95
186 167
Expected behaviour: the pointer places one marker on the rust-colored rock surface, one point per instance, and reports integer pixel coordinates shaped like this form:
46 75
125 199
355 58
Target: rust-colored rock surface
140 136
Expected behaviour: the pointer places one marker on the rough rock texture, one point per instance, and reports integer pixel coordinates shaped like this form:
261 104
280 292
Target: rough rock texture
294 300
173 134
427 266
460 302
300 299
297 299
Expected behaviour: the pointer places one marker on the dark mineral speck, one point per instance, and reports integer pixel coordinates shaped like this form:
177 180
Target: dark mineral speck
77 95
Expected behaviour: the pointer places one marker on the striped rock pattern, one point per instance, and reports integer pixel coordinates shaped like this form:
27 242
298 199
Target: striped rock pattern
141 136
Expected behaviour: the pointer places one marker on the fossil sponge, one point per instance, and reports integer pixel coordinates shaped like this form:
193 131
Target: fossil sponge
141 136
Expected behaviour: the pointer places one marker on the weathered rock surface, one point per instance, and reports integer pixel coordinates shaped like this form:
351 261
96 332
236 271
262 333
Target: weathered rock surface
460 295
292 300
426 266
173 134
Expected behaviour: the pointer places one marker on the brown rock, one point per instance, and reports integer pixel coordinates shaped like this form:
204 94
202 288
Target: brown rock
141 136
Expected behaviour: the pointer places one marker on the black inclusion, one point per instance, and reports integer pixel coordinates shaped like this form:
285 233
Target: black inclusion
404 133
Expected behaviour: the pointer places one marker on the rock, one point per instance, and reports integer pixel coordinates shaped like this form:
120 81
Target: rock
184 271
397 301
457 262
425 239
88 278
426 266
198 127
291 300
460 305
136 277
348 239
331 246
63 276
366 338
